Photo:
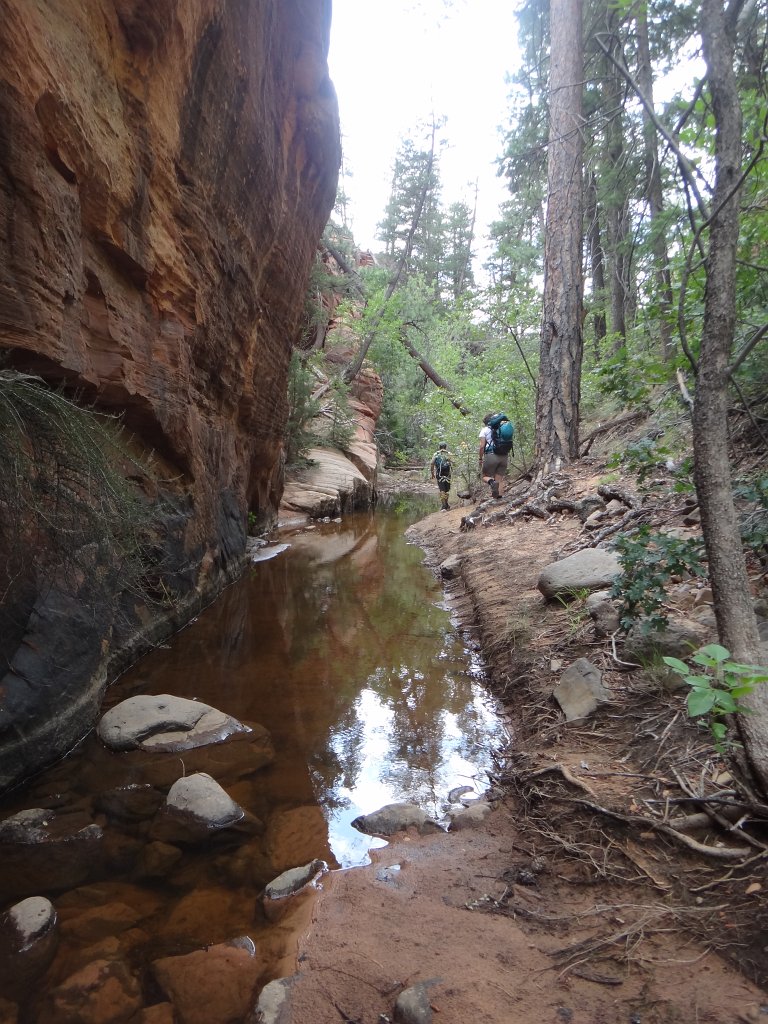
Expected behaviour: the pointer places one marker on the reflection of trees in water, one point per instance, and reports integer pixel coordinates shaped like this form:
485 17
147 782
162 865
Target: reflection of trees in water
382 631
295 644
339 762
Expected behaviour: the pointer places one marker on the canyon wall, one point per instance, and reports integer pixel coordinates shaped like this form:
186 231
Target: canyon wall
166 170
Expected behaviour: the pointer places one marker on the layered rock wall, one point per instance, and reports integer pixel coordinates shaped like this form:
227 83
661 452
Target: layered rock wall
336 481
166 169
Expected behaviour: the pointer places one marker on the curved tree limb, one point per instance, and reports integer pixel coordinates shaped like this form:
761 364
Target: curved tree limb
433 375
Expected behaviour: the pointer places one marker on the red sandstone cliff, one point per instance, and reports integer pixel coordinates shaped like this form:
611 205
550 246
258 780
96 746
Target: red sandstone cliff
166 169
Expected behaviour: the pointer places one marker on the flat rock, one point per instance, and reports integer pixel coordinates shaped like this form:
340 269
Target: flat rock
264 554
293 880
394 818
292 886
413 1005
590 569
580 690
450 568
604 612
216 985
41 849
272 1007
130 803
164 722
332 483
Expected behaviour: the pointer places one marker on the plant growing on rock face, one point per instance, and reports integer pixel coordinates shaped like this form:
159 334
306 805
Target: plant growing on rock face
342 428
302 408
70 513
649 562
715 692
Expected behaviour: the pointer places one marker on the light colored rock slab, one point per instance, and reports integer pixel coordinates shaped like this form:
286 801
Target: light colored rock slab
590 569
164 722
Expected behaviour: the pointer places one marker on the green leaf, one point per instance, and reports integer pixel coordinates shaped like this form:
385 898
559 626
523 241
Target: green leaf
713 651
759 674
741 691
677 665
725 702
699 682
700 702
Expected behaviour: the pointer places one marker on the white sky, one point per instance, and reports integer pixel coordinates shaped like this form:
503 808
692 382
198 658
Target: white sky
393 63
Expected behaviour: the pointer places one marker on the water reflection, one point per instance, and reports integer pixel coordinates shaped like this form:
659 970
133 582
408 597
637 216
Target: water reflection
343 649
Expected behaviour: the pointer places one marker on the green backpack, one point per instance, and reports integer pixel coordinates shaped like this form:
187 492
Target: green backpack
442 466
502 435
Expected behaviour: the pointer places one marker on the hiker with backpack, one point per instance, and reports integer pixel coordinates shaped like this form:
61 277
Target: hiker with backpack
496 442
440 470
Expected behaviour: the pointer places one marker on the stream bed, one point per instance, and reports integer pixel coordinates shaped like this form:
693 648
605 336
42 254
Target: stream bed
342 647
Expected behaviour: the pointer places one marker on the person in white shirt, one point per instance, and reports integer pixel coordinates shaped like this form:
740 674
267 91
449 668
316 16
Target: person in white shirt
493 467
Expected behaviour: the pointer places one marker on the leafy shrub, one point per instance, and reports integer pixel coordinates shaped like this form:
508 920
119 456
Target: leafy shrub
302 408
649 561
630 376
715 694
647 456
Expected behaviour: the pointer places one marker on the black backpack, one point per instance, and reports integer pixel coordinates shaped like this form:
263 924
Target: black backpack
442 466
502 435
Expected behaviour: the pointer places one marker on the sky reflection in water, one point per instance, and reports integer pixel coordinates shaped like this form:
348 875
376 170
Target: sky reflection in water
416 721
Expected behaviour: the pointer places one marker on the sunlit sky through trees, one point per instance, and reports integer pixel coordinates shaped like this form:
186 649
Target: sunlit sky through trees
394 63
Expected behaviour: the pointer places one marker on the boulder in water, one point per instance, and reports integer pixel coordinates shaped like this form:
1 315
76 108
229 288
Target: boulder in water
164 722
28 940
196 807
394 818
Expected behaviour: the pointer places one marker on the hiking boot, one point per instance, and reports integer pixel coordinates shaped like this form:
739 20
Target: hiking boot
494 485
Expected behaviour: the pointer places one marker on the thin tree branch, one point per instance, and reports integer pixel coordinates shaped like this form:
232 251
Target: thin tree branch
754 340
749 413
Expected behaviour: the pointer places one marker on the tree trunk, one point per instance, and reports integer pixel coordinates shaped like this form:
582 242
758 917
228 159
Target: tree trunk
654 191
727 568
597 265
616 205
559 387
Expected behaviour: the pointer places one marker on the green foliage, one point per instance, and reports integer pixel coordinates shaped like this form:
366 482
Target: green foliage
342 428
647 456
302 408
715 693
649 561
630 375
642 458
318 409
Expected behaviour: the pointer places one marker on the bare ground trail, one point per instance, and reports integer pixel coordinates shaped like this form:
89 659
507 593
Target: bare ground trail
563 906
